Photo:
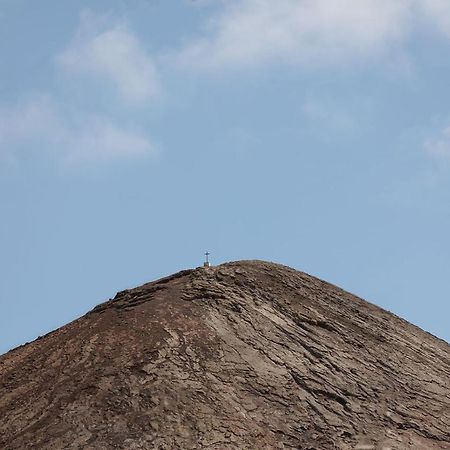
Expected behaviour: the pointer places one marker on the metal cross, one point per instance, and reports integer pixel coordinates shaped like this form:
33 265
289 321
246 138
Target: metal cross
207 254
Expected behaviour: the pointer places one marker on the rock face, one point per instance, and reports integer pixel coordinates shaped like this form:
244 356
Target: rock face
246 355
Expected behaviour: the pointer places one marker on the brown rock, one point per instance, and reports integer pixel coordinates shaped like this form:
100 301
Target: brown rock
246 355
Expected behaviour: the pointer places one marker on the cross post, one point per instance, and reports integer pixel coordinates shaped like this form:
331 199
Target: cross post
206 263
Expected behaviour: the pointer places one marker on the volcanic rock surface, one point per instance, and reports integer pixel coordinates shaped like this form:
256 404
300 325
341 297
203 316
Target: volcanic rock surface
246 355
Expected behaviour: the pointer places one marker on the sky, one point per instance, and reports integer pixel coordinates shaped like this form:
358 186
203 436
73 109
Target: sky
137 134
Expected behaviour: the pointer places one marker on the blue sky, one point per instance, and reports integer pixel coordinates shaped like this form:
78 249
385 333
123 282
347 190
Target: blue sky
136 134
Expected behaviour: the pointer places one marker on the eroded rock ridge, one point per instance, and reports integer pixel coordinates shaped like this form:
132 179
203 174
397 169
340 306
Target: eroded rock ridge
246 355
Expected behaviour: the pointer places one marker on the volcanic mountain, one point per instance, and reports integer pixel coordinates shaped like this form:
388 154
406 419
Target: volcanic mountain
245 355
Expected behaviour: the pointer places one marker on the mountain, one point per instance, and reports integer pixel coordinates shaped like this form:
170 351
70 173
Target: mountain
245 355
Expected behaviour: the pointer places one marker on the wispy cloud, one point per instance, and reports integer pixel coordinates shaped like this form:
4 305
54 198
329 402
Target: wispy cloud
113 55
328 115
40 124
438 13
53 124
438 147
311 34
34 118
248 33
102 140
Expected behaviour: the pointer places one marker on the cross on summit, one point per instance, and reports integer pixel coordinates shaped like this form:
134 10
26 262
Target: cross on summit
207 263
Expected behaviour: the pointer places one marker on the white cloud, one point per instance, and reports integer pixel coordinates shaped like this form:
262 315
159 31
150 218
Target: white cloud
35 118
438 13
45 123
329 115
438 147
114 55
309 33
101 140
39 124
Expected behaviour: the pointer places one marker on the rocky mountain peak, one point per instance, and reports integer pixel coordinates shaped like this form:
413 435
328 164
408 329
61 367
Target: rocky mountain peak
243 355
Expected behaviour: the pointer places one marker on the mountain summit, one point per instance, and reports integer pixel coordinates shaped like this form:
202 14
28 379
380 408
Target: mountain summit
245 355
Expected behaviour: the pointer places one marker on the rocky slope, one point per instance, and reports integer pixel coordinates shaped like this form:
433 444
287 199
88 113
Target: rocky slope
246 355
